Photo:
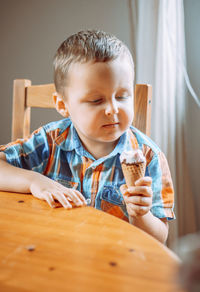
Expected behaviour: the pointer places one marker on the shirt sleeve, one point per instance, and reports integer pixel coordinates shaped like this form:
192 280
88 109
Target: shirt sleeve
31 154
162 186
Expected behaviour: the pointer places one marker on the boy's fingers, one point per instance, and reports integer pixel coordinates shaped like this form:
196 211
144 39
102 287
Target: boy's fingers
140 190
74 197
123 189
49 198
137 210
138 200
80 196
62 199
144 181
72 194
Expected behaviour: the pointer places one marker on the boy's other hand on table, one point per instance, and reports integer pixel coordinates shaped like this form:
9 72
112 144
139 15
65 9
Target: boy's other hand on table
49 190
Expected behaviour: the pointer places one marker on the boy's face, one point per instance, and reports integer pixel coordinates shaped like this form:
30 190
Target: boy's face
99 100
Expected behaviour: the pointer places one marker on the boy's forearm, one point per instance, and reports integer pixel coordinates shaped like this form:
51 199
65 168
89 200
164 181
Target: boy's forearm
152 225
14 179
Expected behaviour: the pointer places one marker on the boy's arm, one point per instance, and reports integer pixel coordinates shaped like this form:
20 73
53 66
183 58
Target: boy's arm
14 179
138 201
156 227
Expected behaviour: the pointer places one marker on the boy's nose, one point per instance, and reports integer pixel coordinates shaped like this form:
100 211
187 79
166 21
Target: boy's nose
111 108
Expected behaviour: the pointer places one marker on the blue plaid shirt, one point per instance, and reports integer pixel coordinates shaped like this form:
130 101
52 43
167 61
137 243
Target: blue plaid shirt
56 151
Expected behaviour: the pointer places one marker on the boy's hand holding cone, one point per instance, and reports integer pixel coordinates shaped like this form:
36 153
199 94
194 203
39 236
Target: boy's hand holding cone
137 192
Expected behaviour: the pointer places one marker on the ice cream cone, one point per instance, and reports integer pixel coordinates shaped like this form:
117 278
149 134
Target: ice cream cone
133 172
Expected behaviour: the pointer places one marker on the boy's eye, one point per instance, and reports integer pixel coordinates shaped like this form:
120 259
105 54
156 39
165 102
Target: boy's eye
96 101
122 97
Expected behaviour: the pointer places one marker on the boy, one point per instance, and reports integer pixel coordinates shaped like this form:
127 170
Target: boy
77 159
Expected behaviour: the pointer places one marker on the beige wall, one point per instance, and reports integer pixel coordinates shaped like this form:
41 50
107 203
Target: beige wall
32 30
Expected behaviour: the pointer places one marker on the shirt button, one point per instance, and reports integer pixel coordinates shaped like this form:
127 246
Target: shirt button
88 201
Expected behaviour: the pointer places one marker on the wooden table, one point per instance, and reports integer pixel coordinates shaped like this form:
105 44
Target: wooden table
83 249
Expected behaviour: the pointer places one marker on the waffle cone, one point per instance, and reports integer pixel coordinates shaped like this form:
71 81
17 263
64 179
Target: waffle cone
133 172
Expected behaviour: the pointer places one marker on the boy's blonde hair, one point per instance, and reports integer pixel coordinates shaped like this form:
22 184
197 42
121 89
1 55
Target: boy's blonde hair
84 46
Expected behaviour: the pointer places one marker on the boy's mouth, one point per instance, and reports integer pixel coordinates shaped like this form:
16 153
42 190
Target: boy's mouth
110 125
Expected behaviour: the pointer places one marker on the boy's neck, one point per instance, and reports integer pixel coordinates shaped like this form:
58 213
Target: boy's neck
99 150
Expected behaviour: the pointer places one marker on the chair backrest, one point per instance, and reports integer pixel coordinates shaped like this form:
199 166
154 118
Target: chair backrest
26 96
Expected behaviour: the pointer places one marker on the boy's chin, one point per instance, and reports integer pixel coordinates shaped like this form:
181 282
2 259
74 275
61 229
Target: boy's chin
110 139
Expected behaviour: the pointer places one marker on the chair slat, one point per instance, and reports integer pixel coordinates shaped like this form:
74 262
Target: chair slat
20 113
40 96
142 108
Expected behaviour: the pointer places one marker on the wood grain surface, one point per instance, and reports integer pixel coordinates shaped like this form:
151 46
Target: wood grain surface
83 249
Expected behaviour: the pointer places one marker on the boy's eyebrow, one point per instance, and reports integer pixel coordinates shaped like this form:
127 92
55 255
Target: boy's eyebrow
95 91
123 89
92 93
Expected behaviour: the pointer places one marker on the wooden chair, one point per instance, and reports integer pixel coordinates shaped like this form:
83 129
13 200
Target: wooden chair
26 96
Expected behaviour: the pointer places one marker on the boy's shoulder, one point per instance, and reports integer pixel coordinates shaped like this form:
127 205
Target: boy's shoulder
58 131
59 126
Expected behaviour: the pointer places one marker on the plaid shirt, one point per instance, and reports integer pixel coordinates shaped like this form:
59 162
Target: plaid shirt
55 150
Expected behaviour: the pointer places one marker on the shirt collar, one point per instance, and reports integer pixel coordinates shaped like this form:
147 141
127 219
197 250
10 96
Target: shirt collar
73 142
127 141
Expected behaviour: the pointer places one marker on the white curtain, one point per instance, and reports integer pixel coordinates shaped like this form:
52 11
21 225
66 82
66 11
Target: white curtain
158 42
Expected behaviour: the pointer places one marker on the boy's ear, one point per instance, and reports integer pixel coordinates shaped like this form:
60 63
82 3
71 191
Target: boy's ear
60 104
